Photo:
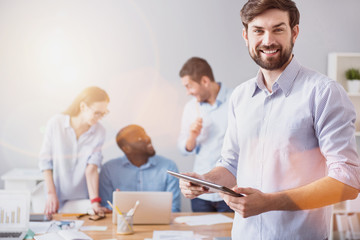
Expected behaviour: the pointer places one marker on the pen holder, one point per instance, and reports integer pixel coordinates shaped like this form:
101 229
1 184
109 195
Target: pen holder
124 224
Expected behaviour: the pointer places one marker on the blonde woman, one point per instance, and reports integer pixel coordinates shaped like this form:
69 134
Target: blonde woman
71 152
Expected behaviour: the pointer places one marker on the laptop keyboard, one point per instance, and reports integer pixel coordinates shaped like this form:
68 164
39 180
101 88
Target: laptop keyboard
10 234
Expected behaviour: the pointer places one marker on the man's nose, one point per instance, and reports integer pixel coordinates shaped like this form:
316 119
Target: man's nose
268 39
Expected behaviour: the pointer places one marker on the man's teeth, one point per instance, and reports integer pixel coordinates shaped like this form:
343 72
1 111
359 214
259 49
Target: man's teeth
269 52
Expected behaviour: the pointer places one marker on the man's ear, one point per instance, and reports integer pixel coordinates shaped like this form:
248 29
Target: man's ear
245 36
205 81
126 149
295 33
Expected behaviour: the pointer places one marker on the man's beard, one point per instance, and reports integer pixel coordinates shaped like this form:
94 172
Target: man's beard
272 63
151 153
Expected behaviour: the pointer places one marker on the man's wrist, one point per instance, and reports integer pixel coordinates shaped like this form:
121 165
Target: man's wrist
190 144
188 149
279 201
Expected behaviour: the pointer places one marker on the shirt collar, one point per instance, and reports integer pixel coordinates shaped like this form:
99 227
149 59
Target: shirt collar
221 97
126 162
67 124
67 121
258 84
285 80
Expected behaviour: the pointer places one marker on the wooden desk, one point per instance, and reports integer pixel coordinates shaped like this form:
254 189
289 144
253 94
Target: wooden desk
146 231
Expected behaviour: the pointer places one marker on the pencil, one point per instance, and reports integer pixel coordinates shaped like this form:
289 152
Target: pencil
120 213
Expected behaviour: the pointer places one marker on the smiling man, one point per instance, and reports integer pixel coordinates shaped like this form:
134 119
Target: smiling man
290 144
203 125
139 170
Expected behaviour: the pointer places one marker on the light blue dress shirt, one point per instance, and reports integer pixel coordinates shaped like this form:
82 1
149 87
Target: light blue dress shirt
302 131
121 174
209 142
68 157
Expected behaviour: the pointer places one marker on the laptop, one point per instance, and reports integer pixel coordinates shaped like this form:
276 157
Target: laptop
14 214
154 207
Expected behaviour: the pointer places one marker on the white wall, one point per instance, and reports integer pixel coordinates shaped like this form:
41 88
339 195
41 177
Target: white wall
50 50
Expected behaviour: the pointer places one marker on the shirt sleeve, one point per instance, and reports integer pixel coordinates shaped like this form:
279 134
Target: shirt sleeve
187 118
335 127
96 157
173 186
105 186
45 156
230 149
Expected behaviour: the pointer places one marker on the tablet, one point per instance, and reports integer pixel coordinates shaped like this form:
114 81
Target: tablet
212 186
40 218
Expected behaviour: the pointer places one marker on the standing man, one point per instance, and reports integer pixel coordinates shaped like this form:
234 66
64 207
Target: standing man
203 125
290 144
139 170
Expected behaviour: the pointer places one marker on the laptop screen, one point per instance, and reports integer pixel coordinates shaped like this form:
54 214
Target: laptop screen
154 207
14 210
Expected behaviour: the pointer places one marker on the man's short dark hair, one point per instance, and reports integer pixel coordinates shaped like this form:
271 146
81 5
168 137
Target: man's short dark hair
196 68
253 8
123 134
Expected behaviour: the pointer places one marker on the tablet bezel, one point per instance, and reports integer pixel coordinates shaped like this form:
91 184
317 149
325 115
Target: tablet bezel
213 186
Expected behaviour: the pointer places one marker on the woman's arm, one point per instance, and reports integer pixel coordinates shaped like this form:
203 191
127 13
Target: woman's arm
52 202
92 180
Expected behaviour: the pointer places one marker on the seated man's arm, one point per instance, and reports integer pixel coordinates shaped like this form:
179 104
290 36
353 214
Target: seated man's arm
105 186
172 185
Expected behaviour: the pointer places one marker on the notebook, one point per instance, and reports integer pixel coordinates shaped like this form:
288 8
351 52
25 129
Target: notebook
154 207
14 214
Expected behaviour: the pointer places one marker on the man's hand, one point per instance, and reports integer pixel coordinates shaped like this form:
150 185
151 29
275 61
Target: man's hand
253 203
195 127
190 190
322 192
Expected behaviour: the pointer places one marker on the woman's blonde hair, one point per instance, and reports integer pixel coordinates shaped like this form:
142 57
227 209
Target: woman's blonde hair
89 96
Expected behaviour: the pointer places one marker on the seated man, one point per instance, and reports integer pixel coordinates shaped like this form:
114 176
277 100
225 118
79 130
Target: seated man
139 170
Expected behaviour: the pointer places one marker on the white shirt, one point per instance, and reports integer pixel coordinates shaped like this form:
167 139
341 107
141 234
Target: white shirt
68 157
209 142
299 133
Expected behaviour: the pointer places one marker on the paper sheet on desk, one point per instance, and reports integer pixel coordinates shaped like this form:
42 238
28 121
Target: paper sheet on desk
209 219
93 228
44 227
40 227
173 235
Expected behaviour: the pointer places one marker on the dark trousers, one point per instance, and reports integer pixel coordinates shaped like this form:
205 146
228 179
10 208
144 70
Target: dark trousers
200 205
